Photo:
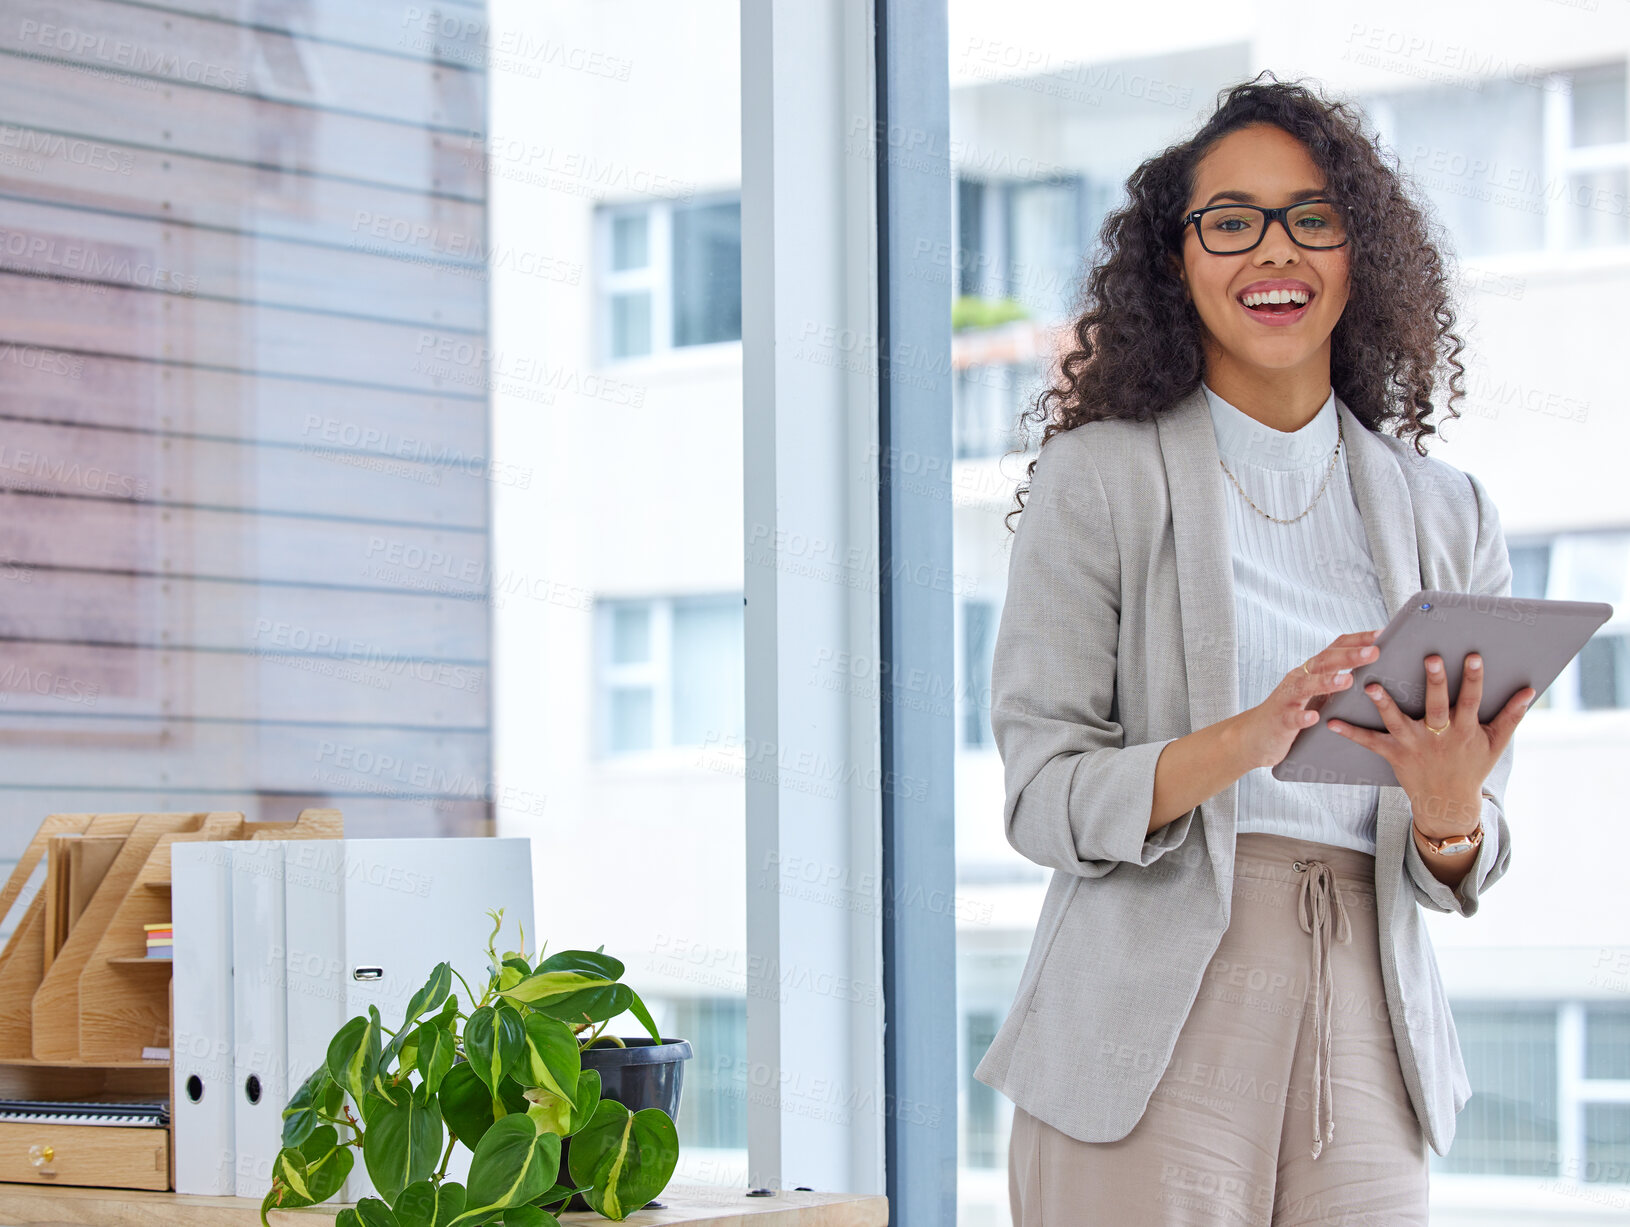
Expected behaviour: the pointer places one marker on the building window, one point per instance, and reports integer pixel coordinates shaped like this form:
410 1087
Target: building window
1022 239
670 275
1586 566
988 401
713 1104
1518 165
1549 1092
670 672
982 1143
1509 1126
979 619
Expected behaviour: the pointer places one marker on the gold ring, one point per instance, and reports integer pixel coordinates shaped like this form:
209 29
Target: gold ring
1306 670
1430 729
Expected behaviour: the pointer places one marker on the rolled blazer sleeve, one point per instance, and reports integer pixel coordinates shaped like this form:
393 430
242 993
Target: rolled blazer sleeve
1491 574
1077 798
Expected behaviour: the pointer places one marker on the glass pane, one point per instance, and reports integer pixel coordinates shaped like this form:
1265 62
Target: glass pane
631 708
630 633
1509 1126
1530 570
707 273
631 324
1607 1143
1599 106
1607 1040
714 1085
1604 671
1045 243
618 115
707 665
630 241
1596 207
1478 157
978 638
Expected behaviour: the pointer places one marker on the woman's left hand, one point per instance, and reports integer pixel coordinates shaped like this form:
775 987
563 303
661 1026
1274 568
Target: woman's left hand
1442 772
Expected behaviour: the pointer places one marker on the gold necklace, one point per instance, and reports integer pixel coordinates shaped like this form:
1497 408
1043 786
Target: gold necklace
1316 497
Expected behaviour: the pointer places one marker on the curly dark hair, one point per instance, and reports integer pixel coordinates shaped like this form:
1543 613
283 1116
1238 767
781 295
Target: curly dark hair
1136 339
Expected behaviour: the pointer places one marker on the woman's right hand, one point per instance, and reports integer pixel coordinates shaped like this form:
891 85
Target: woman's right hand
1270 726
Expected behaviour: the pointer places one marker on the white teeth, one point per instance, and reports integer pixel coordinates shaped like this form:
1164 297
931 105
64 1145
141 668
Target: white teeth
1273 296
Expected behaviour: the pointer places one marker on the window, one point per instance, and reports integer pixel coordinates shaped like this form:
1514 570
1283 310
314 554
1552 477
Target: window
1509 1126
671 673
1591 566
979 621
982 1141
1021 239
1526 164
987 400
671 275
713 1099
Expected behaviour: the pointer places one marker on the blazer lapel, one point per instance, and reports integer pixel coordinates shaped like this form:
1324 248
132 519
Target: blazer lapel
1205 575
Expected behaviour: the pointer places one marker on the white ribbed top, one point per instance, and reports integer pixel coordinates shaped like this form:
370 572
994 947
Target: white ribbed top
1296 587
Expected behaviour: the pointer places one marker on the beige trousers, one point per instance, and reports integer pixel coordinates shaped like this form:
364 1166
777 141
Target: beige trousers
1283 1103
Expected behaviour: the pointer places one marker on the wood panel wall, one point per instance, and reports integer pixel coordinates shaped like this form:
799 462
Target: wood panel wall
243 419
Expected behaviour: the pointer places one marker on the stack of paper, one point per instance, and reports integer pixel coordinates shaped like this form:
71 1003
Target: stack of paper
160 940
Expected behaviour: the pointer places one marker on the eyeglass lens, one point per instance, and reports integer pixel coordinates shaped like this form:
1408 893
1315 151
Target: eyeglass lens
1230 228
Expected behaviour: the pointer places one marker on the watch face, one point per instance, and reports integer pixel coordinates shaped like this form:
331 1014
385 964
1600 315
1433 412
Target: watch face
1456 845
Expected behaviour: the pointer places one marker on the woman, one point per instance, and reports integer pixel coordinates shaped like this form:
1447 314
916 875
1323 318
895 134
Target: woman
1226 963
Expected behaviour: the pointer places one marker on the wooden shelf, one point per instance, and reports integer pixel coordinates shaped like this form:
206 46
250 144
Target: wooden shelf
141 961
696 1205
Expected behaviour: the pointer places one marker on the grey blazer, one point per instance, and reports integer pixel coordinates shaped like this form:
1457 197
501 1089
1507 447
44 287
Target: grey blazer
1118 637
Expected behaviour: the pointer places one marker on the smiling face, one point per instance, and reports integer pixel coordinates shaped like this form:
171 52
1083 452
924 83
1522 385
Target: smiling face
1279 361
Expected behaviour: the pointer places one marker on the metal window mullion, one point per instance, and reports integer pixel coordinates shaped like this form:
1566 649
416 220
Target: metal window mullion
917 618
662 674
1556 101
660 251
1570 1111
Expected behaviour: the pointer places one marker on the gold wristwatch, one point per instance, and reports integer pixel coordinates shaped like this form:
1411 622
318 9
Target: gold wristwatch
1454 845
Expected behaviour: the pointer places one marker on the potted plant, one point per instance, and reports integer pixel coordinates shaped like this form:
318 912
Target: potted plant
527 1068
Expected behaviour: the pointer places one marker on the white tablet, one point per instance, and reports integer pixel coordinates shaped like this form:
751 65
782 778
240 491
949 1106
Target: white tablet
1522 643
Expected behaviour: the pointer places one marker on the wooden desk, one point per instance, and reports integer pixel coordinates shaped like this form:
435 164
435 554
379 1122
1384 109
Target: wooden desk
24 1205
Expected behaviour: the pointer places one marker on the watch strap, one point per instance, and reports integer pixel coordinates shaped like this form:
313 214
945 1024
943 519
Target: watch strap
1455 845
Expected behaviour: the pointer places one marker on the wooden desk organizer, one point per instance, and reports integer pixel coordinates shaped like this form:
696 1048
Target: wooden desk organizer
79 1029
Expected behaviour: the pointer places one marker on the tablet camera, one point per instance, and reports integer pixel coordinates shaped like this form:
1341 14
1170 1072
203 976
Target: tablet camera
1425 605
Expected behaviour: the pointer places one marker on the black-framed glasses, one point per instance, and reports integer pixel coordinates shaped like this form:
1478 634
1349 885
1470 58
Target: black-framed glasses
1229 229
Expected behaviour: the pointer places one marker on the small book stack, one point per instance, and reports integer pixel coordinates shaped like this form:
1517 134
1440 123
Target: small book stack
160 940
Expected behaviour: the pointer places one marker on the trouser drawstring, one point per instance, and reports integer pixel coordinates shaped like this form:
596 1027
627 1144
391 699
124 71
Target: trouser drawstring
1319 898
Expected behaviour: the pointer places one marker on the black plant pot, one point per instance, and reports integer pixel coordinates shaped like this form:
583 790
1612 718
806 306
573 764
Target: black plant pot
642 1074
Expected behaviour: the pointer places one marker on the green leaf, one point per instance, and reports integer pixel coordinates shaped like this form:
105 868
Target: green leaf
318 1094
591 961
348 1217
549 1112
513 1164
431 996
467 1106
627 1158
529 1216
379 1084
552 1059
353 1057
375 1213
493 1042
435 1056
588 1100
557 1196
327 1163
549 986
425 1204
290 1187
588 1005
644 1015
402 1144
